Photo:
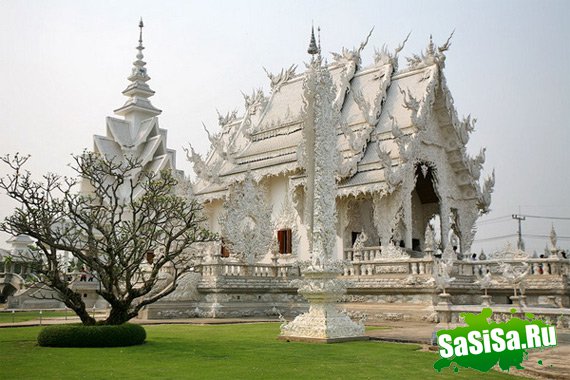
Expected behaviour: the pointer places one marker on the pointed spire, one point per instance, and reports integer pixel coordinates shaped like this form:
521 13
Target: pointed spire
553 238
313 48
138 91
141 25
430 51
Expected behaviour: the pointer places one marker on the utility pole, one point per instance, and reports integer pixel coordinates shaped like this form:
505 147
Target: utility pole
520 218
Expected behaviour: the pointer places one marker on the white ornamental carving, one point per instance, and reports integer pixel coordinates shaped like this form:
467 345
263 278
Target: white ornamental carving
391 252
429 239
484 279
443 268
227 119
246 223
202 171
349 59
277 80
359 242
515 274
432 55
320 286
324 320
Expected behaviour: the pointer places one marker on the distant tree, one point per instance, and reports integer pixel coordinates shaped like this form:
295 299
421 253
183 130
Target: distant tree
131 229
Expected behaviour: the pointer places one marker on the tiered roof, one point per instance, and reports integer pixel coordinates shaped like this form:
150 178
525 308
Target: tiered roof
138 134
382 109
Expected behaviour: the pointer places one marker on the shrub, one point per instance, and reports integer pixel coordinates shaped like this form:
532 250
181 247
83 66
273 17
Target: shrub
92 336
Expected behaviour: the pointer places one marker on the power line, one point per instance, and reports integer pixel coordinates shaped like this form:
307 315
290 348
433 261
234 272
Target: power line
498 218
547 217
532 236
536 236
508 217
496 237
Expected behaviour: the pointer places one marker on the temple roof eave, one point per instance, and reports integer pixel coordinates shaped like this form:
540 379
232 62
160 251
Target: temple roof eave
131 107
405 98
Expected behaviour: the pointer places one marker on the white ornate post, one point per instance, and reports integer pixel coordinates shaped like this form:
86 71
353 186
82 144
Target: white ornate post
485 281
320 286
408 220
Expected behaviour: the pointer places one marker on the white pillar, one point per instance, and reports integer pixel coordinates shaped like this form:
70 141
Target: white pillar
444 212
408 220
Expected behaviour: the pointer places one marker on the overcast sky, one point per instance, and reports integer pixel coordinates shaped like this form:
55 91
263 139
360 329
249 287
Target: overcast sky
65 63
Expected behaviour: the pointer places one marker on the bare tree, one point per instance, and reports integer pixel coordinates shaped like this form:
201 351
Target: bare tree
130 228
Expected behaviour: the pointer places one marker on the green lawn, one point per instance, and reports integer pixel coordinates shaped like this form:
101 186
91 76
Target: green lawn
22 316
245 351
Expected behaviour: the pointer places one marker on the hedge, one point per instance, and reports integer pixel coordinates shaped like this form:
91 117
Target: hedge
92 336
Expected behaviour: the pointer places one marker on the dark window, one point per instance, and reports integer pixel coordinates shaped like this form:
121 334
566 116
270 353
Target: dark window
225 252
354 237
284 237
416 245
150 257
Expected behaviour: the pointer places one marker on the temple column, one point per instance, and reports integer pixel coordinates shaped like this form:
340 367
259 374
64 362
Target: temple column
343 220
407 207
466 220
386 216
445 212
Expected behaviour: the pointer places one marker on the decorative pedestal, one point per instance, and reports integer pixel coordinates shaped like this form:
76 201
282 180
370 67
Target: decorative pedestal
486 300
323 322
516 301
444 299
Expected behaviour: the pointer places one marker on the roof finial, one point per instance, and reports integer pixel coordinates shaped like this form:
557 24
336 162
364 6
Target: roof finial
313 48
141 25
138 91
140 48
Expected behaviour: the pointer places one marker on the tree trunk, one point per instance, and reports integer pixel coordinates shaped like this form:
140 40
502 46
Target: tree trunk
74 301
86 319
118 315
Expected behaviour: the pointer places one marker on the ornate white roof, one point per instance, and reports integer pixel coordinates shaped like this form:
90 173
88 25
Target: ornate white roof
383 110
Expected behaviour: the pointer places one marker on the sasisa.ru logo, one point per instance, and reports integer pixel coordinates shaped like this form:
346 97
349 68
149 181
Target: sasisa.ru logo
482 344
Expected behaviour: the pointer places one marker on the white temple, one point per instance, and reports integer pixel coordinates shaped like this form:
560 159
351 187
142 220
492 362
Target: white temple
401 156
356 170
405 193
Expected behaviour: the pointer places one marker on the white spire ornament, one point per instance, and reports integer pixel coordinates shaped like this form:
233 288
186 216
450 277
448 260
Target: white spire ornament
138 107
137 135
321 286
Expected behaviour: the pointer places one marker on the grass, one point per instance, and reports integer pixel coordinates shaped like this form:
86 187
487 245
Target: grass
246 351
22 316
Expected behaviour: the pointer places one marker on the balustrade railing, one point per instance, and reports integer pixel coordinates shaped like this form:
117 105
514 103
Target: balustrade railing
363 254
233 269
369 261
422 266
559 317
538 266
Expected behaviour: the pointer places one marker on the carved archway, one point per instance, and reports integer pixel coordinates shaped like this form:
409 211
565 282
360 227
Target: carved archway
425 201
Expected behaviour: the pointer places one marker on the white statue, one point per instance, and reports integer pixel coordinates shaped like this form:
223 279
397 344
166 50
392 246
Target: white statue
443 268
484 279
429 239
514 274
